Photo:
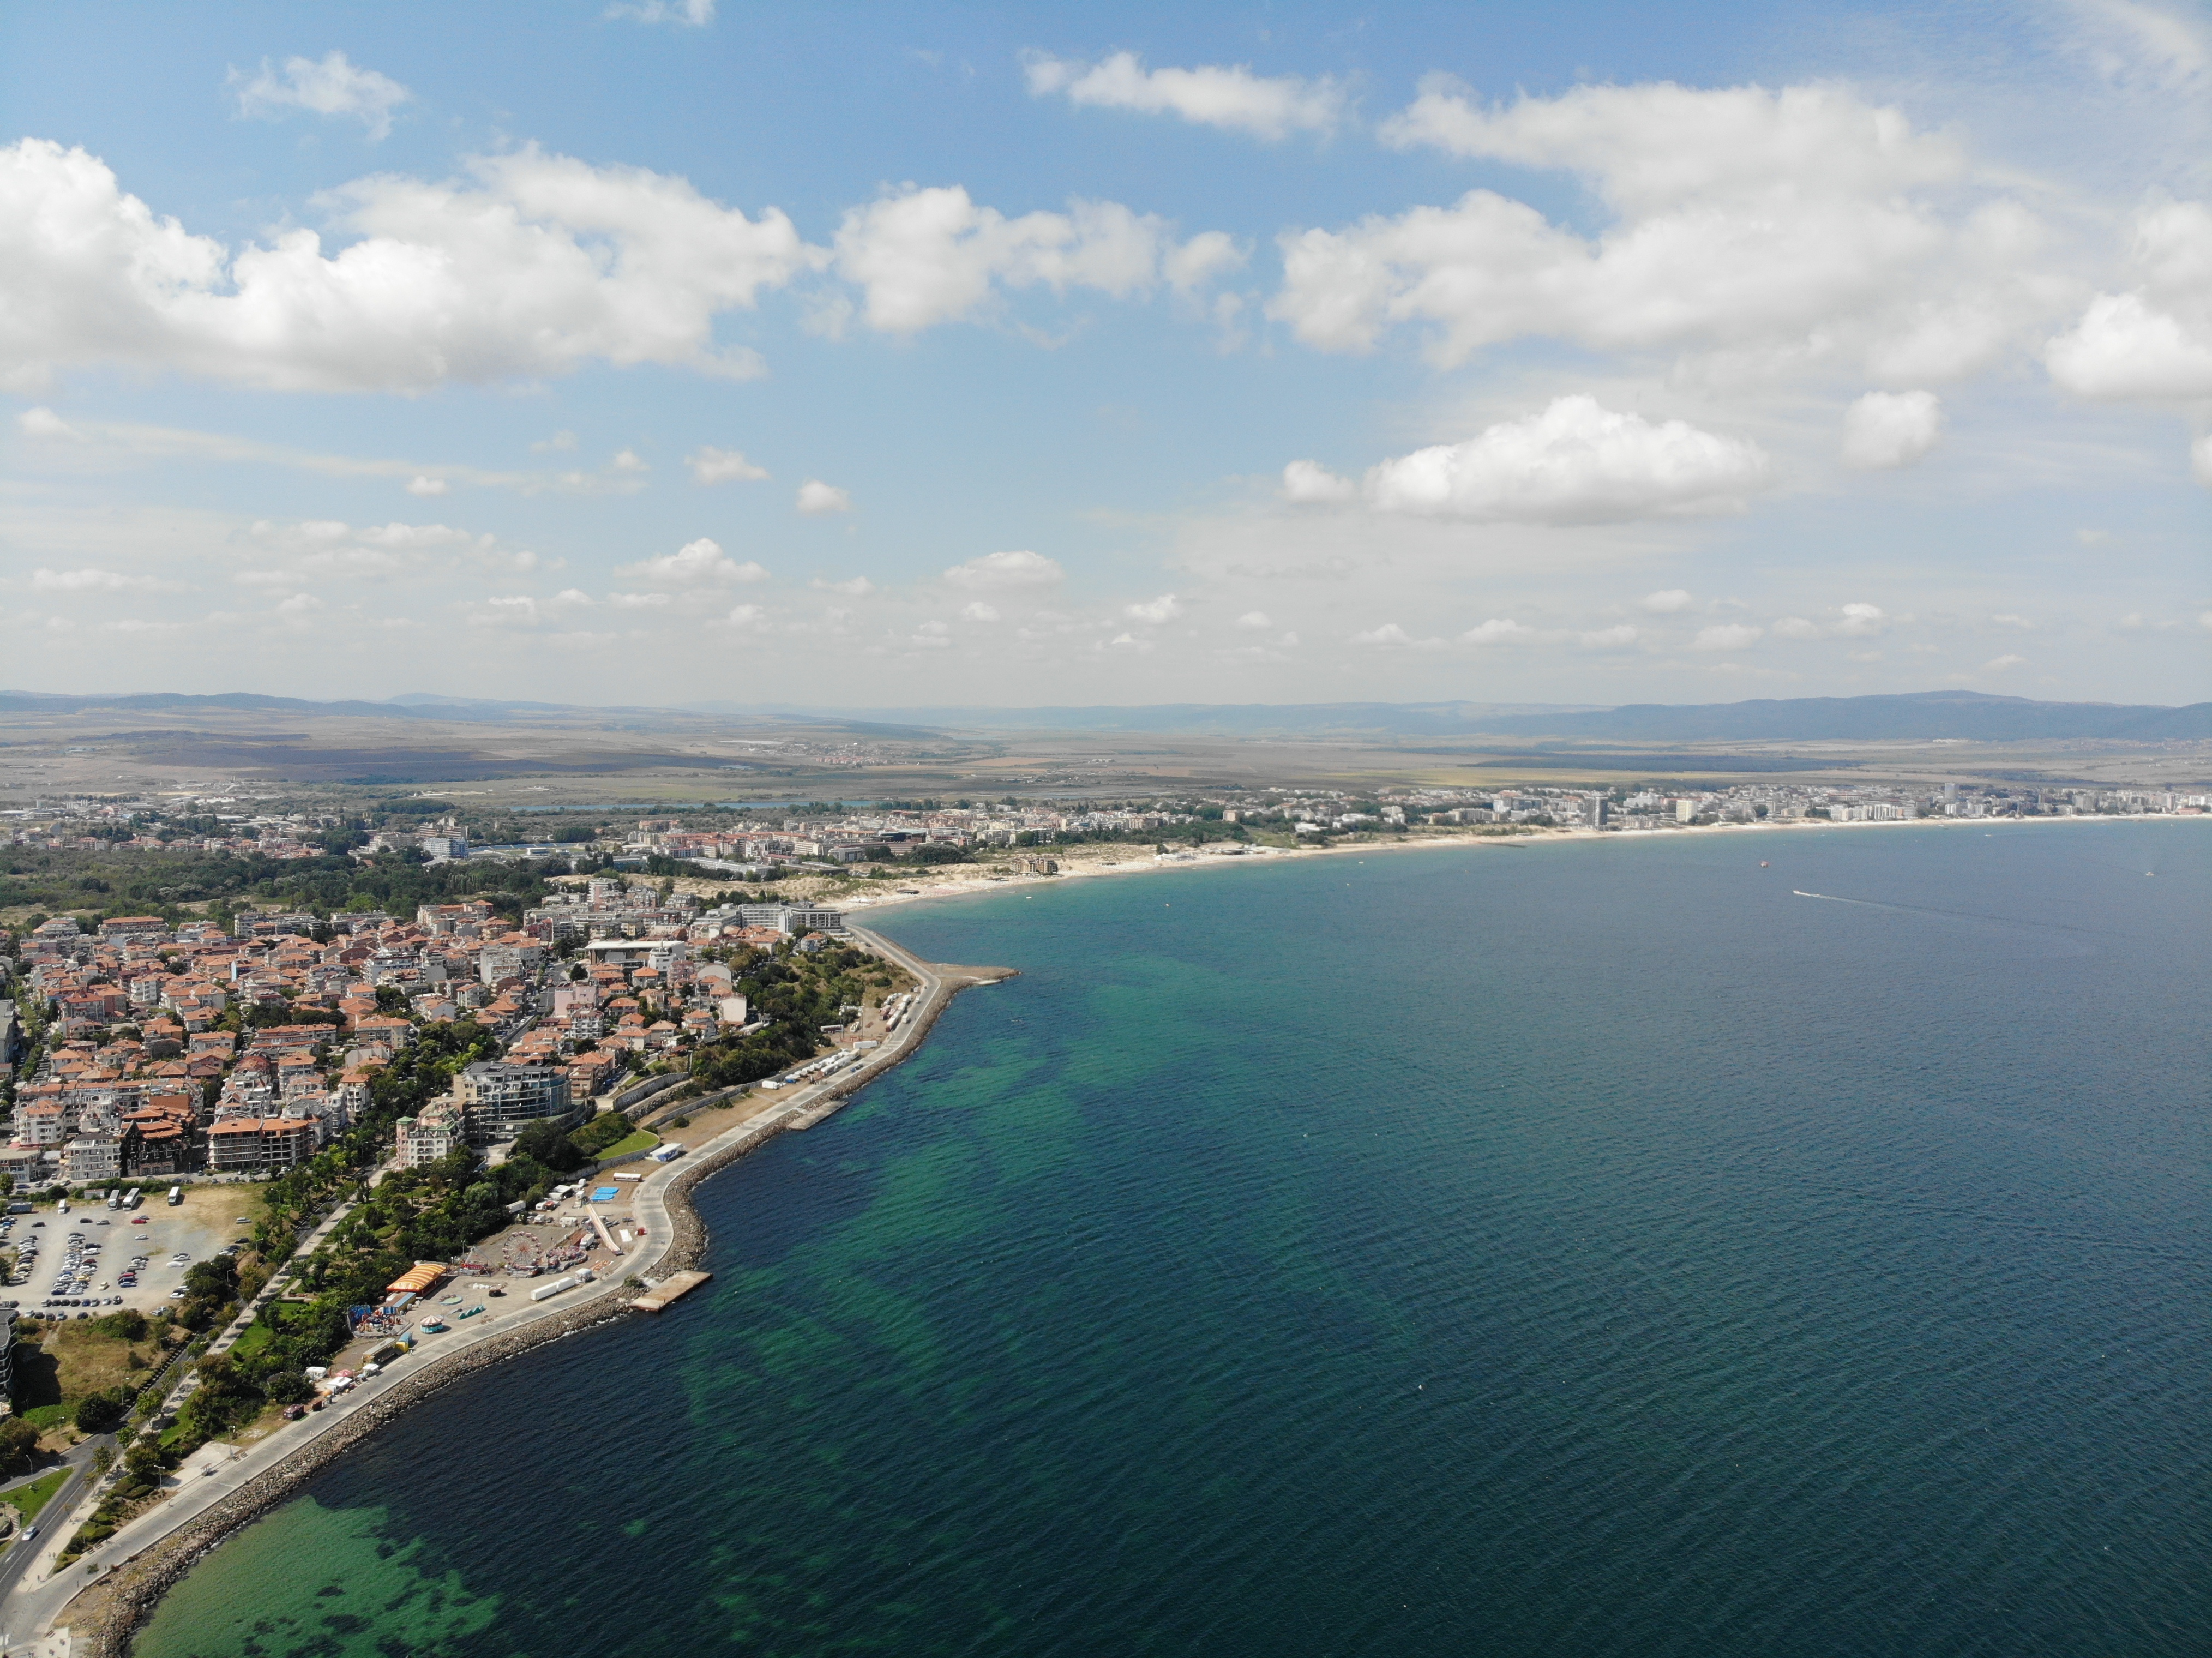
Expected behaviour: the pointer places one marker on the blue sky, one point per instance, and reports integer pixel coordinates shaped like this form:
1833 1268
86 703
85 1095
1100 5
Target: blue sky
907 355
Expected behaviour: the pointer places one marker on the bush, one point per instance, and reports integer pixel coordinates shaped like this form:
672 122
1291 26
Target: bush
19 1444
937 851
129 1325
545 1142
100 1414
289 1388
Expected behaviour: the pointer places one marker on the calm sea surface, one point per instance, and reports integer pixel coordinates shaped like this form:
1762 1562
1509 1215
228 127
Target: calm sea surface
1582 1250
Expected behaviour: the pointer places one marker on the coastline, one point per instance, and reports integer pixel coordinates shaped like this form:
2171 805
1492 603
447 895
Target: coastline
102 1614
1153 863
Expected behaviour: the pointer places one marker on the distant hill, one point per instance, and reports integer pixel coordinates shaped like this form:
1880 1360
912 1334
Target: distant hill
1211 719
1921 714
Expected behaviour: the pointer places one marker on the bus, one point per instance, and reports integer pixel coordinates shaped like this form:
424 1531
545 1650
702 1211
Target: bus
176 1197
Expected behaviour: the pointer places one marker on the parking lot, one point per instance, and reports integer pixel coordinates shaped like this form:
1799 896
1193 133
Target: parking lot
85 1256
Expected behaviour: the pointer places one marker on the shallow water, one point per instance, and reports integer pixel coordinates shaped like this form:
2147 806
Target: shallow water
1578 1249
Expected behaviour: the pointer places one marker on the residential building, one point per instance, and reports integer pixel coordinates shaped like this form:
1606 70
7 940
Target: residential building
250 1145
497 1099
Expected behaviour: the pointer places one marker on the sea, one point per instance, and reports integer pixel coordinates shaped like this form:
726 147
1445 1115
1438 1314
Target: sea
1766 1244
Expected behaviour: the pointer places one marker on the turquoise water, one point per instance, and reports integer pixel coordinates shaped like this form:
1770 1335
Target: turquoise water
1583 1249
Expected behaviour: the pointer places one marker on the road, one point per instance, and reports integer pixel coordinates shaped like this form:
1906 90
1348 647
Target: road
19 1554
27 1608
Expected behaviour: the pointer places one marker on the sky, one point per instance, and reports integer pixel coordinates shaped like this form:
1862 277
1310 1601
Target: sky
670 351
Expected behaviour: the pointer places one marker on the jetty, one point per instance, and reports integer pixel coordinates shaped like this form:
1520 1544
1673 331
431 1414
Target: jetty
669 1289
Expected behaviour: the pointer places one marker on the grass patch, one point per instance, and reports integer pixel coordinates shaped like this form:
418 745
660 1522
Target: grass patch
642 1140
85 1361
43 1417
256 1337
29 1499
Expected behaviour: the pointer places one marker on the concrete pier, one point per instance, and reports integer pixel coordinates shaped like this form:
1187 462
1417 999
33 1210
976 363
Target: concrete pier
674 1288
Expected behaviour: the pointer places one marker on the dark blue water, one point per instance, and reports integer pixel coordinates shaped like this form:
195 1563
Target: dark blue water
1582 1249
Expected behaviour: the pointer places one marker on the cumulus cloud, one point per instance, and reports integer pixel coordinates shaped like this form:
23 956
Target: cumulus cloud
1887 429
2000 663
45 423
1727 636
2153 340
700 564
1391 636
1861 620
1576 463
1773 223
686 14
925 257
1254 622
1166 608
422 485
712 465
1006 571
1233 98
333 86
1609 639
1309 482
815 497
531 264
979 612
1796 627
857 586
1666 602
1497 631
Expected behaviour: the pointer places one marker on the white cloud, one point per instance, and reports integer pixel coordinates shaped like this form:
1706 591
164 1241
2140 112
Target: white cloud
687 14
857 586
700 564
1164 608
1726 637
1861 620
45 423
817 497
533 265
331 87
1772 224
1254 622
2000 663
712 465
1610 638
1391 636
1497 631
558 441
1231 97
1576 463
1666 602
2199 459
1006 571
2019 622
421 484
637 601
1309 481
2155 340
925 257
90 580
1891 429
300 604
1796 627
1197 262
979 612
629 461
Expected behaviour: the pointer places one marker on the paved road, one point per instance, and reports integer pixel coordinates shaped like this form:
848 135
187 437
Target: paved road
31 1600
19 1554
